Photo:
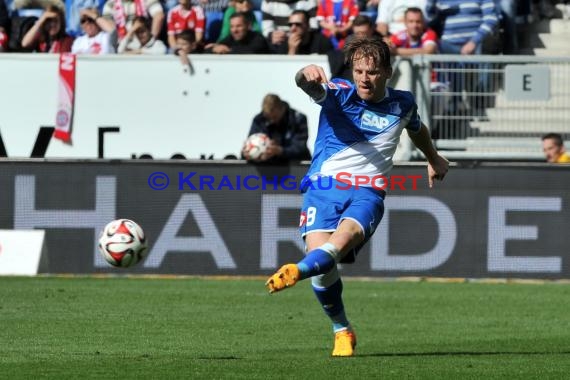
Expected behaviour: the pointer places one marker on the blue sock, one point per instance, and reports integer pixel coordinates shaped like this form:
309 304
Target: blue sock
331 300
318 261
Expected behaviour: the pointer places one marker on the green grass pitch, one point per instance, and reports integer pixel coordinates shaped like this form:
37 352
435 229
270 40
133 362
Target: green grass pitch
192 328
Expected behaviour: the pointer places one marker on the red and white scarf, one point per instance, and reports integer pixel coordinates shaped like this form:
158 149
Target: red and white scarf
3 41
66 96
120 16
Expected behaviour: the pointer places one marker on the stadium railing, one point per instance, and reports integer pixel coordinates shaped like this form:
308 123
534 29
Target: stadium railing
473 115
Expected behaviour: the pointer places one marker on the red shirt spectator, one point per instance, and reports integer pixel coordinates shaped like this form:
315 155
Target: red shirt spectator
403 40
180 18
416 38
3 41
47 35
335 19
62 45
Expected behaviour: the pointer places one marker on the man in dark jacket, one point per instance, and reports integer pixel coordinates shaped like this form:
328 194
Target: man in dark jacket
286 128
301 39
242 40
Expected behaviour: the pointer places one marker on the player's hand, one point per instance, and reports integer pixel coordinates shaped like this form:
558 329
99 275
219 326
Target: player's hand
437 169
315 74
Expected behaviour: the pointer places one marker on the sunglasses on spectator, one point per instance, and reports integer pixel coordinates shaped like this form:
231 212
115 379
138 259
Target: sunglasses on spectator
299 24
86 19
241 1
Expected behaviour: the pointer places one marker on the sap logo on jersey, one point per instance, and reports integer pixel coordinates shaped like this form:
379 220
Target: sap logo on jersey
373 121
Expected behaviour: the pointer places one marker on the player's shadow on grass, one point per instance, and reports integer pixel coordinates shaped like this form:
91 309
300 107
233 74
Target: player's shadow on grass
463 353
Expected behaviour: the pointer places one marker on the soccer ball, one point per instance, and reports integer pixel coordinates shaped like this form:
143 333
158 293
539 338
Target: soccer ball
122 243
255 145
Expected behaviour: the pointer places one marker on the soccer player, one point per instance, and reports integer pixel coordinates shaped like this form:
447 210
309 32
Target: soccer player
359 128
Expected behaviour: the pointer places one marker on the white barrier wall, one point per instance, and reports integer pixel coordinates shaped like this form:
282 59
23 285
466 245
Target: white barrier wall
22 252
160 109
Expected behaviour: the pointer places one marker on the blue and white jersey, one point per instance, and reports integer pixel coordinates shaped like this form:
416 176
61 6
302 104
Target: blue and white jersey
360 137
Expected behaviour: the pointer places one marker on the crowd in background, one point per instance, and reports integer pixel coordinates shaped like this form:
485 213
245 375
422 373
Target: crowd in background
261 26
288 27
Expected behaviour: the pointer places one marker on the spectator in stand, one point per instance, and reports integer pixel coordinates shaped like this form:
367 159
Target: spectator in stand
124 12
335 19
243 6
73 14
185 16
362 26
553 148
144 43
214 10
302 40
48 33
506 15
242 40
4 26
390 18
416 38
286 128
369 8
466 27
186 44
276 14
99 36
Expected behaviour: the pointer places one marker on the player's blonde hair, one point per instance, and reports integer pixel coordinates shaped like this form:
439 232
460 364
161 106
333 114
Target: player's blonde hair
372 47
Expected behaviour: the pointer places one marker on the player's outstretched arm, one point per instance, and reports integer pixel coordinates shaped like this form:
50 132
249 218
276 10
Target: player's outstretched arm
310 80
437 165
